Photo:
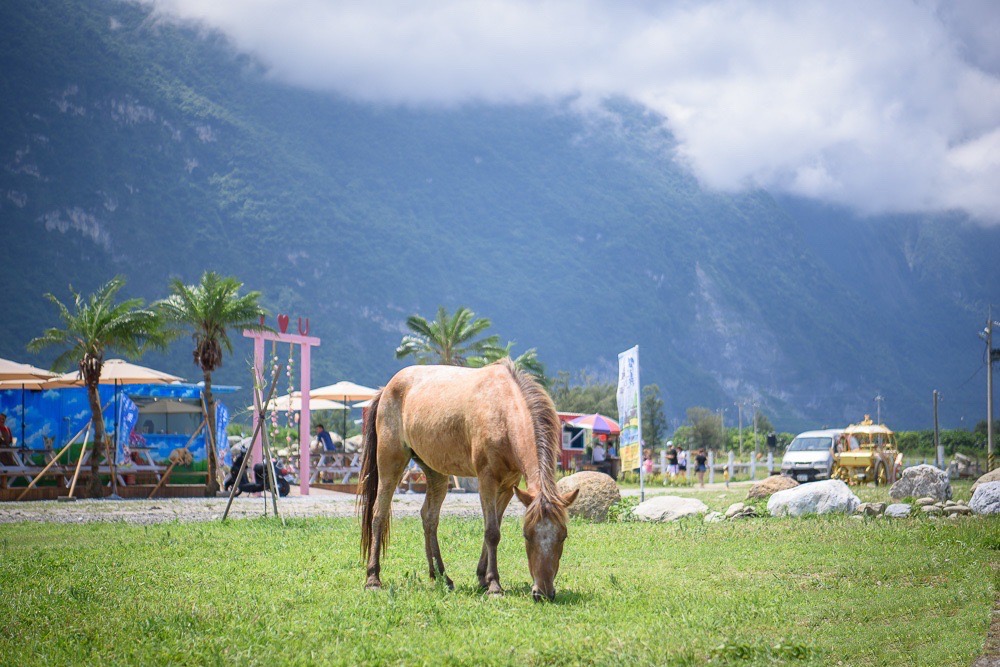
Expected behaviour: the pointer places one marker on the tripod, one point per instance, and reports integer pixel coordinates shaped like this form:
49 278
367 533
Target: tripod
269 471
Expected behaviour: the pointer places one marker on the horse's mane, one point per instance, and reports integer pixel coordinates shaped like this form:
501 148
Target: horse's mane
548 439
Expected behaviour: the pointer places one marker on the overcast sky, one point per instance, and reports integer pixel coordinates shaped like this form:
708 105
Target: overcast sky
883 106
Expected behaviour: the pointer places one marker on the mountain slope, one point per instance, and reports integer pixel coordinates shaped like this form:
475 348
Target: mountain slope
145 149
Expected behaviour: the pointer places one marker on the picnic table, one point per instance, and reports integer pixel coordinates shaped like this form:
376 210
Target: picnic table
340 464
18 462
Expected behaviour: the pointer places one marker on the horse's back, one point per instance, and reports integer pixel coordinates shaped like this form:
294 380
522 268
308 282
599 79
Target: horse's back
456 420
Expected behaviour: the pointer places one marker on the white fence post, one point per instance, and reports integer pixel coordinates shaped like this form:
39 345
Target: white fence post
770 462
753 467
711 467
732 457
663 465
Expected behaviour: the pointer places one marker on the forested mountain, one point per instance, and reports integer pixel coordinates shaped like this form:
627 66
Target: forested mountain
139 148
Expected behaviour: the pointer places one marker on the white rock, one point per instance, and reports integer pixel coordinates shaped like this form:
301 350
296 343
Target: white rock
669 508
825 497
986 499
714 517
922 480
898 510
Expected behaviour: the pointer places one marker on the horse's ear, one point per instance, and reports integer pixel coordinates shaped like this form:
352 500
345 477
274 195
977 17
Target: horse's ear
569 498
523 496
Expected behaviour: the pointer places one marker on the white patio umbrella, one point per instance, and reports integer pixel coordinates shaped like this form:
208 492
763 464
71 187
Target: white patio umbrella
293 402
13 370
117 372
344 391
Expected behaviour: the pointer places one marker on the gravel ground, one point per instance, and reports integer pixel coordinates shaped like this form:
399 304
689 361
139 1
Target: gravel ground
318 503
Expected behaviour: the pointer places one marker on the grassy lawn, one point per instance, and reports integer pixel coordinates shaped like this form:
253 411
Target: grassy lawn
822 590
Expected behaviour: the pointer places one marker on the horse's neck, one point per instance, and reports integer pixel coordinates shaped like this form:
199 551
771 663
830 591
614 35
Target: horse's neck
538 475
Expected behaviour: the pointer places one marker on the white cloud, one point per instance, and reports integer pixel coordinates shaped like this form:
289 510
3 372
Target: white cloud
888 106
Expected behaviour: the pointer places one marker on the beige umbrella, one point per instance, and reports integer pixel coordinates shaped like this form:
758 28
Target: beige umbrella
293 402
344 391
14 375
117 371
12 370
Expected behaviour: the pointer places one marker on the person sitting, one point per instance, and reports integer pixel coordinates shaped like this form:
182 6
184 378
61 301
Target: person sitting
6 441
323 436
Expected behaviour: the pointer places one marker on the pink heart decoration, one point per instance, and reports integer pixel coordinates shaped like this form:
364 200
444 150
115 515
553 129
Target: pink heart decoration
283 323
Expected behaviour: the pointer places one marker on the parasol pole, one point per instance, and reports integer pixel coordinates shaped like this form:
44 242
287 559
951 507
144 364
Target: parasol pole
23 444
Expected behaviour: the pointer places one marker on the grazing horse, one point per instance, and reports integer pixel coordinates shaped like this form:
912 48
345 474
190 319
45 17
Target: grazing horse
494 423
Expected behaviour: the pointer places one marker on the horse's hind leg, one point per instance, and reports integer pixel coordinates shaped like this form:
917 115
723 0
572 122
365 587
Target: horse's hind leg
392 460
437 490
501 502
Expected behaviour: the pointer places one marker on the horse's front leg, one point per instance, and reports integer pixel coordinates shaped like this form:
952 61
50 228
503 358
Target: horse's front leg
430 513
490 498
502 500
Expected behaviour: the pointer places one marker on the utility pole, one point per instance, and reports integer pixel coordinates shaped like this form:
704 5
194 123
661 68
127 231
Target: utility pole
739 412
878 407
991 356
754 404
937 433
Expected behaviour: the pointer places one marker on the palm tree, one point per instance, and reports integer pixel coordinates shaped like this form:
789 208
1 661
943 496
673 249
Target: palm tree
97 325
448 339
211 308
527 361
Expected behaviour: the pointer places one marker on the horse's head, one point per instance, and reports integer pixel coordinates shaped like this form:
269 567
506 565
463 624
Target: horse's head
544 534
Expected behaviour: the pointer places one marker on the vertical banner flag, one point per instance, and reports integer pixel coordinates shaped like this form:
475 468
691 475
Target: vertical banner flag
221 437
128 416
629 409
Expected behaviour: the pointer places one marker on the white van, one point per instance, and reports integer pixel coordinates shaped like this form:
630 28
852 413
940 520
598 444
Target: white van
809 457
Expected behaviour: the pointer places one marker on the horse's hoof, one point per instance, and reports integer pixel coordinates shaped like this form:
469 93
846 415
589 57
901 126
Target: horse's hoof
449 583
373 585
495 590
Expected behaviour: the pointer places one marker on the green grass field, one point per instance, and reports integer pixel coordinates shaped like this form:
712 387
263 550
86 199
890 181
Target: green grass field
822 591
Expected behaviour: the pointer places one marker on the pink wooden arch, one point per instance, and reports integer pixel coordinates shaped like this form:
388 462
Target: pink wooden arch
305 343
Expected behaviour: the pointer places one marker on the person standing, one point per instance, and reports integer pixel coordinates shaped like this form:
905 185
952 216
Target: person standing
701 465
597 454
672 461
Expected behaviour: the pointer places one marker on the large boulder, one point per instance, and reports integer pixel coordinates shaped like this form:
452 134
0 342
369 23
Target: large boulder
598 492
991 476
669 508
922 480
826 497
771 485
986 499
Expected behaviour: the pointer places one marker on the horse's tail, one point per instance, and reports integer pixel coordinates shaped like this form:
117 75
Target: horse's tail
368 484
